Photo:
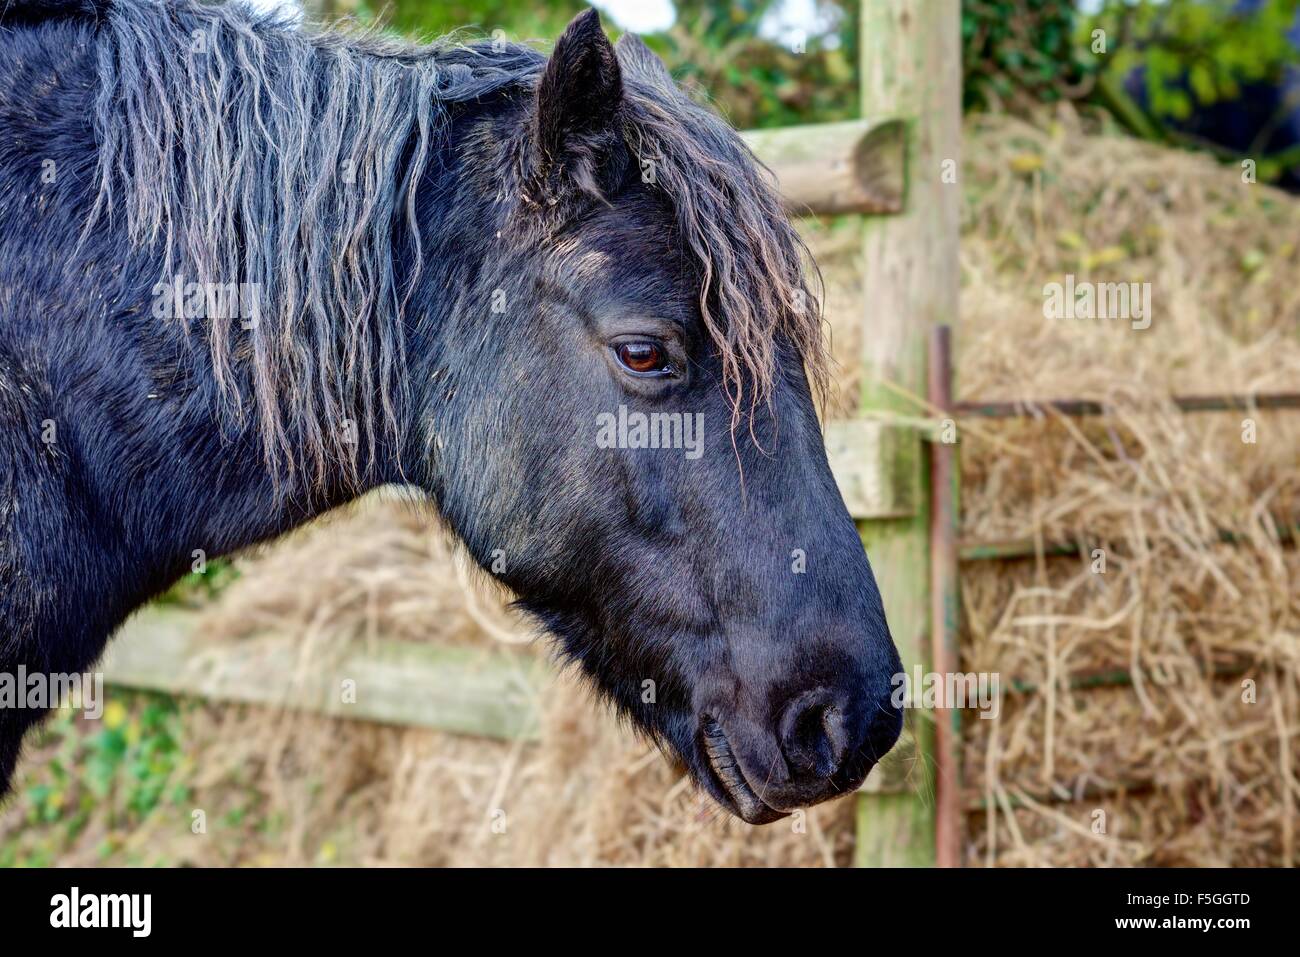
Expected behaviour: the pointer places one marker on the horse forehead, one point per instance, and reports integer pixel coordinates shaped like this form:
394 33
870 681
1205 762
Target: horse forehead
598 259
581 259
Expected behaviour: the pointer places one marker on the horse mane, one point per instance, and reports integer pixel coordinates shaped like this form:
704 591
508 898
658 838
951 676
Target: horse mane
760 284
222 137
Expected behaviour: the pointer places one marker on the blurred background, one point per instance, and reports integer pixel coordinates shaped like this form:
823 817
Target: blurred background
1160 698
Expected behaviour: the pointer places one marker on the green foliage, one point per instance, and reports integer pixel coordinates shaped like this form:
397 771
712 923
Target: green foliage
714 48
1195 52
115 772
518 20
1017 53
201 587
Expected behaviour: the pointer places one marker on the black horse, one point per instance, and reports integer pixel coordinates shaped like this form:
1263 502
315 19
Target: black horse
249 271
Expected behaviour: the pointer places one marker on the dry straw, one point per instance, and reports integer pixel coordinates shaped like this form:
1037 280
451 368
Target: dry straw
1204 775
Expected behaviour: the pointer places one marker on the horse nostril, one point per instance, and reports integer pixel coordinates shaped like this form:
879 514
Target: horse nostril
813 735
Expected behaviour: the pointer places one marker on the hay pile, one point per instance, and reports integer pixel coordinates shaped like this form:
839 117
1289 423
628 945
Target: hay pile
1210 780
1209 762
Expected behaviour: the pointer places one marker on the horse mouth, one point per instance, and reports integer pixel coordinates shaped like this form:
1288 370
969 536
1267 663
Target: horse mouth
731 787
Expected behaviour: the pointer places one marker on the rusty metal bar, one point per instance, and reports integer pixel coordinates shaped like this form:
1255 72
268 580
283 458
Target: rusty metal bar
945 607
975 802
1122 677
1025 409
1288 532
1008 549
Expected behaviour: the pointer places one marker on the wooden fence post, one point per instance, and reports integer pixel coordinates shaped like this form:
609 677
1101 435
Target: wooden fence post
910 69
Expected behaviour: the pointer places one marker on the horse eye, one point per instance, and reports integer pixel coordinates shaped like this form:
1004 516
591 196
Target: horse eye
643 358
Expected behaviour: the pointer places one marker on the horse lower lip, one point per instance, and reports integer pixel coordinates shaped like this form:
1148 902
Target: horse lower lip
731 780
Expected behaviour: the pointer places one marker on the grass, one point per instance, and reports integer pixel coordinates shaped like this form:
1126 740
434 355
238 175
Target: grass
119 769
101 779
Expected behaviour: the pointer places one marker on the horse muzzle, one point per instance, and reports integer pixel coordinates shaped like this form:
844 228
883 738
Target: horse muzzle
820 746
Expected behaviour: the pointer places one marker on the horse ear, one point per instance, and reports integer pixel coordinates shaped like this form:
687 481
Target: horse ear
640 61
579 93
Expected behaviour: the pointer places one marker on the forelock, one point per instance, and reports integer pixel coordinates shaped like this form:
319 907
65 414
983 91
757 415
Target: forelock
760 286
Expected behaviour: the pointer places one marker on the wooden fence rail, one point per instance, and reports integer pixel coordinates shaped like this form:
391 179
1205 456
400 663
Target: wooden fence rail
834 168
489 692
